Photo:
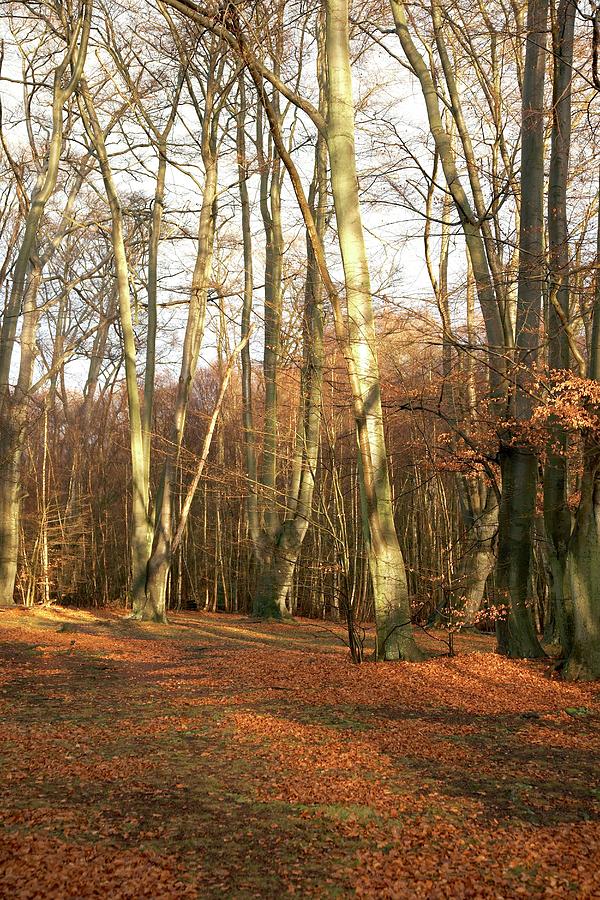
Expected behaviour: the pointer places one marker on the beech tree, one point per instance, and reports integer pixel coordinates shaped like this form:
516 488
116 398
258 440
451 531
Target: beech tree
215 90
224 375
278 541
70 32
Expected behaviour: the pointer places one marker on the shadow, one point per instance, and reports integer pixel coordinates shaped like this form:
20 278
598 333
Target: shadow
182 749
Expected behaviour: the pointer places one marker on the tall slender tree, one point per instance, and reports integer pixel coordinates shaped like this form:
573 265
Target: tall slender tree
32 257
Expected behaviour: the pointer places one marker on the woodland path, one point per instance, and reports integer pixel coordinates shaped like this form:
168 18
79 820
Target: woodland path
219 757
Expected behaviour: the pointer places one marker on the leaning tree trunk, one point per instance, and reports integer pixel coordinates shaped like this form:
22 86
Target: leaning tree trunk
488 279
154 607
139 549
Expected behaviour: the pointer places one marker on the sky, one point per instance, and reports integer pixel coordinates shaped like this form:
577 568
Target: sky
394 234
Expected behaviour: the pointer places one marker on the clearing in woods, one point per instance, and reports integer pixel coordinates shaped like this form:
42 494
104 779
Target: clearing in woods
220 757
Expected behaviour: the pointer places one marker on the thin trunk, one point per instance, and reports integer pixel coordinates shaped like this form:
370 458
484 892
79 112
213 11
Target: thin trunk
270 204
154 607
247 411
492 304
23 300
139 486
279 544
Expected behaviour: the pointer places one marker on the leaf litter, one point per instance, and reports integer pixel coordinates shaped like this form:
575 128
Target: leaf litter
219 756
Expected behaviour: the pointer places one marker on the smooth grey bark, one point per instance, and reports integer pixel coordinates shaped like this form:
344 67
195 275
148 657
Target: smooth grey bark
557 515
488 280
278 524
583 576
139 549
159 564
518 461
275 549
277 560
142 470
583 556
80 462
154 605
159 138
10 463
13 423
270 206
355 334
246 359
479 506
280 555
478 501
489 277
516 633
22 301
395 638
277 542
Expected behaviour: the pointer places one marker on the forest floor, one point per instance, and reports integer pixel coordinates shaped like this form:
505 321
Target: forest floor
220 757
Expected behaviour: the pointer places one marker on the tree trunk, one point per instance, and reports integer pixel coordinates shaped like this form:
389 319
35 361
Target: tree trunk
13 422
356 337
489 288
10 463
583 580
278 563
516 633
472 578
166 544
557 516
277 545
139 549
583 556
395 639
157 577
26 280
154 605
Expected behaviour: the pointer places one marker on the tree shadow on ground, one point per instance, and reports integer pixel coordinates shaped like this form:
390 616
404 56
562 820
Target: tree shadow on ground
128 744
